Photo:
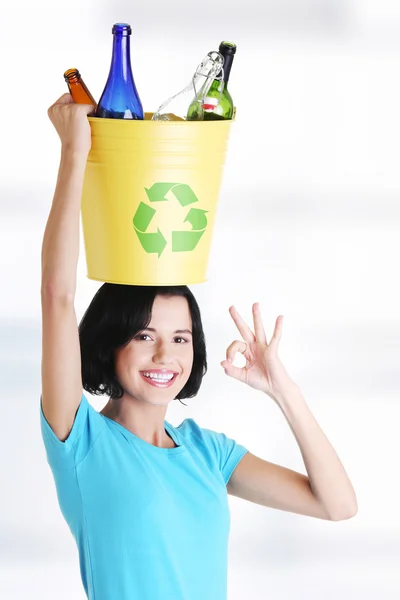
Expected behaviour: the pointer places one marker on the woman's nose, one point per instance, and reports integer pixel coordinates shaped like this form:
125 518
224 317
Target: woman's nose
162 354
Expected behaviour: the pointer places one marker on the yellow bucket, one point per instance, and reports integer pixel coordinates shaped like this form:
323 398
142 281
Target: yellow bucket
149 199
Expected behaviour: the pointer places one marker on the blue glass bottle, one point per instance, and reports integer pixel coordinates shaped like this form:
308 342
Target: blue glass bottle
120 99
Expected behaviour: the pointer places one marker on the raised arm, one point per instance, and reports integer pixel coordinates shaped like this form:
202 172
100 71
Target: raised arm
61 358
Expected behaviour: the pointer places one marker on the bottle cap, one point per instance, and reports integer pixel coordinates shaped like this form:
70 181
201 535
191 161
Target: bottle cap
227 48
122 28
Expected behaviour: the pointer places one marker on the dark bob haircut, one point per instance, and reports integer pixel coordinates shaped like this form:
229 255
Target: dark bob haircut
114 316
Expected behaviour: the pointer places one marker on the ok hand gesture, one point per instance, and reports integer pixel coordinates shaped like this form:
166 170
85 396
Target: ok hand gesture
263 369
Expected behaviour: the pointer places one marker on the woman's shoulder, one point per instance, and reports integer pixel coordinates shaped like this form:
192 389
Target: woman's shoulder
191 427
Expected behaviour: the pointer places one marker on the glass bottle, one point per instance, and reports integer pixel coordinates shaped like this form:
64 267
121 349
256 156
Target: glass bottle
120 99
176 107
218 104
77 88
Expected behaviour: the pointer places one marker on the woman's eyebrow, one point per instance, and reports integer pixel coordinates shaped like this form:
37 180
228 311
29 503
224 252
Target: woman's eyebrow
176 331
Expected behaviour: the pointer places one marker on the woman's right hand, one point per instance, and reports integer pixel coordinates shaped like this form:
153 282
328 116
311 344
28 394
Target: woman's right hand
72 125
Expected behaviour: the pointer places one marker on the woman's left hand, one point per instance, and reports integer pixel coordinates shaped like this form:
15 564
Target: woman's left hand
263 369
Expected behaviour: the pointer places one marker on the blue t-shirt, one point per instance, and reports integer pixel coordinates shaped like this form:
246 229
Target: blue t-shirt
150 523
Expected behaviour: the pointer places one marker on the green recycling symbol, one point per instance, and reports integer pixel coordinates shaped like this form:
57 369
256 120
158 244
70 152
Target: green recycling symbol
182 241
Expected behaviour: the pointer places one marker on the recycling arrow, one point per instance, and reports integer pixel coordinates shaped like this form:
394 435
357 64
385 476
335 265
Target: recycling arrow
182 241
185 241
151 242
182 192
143 216
158 191
197 218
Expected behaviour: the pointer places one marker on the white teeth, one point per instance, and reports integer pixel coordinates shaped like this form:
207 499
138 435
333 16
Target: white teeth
159 376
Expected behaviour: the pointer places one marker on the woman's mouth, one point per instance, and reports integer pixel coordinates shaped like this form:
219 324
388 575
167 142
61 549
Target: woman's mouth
160 379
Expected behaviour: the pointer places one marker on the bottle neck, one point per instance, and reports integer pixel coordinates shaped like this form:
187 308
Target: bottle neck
228 60
121 57
73 80
72 76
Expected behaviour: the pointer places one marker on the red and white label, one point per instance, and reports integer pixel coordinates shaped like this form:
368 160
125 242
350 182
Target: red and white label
210 104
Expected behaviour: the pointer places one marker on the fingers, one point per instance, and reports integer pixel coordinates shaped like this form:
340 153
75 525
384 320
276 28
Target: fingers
64 99
235 372
243 328
71 123
86 108
236 346
277 331
231 370
67 99
258 324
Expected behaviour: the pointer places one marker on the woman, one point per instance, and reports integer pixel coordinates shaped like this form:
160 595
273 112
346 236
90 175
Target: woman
147 501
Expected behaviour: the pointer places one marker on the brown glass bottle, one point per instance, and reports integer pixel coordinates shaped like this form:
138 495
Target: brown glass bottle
78 89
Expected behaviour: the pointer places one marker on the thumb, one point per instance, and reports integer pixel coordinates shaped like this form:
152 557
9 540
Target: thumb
88 109
232 371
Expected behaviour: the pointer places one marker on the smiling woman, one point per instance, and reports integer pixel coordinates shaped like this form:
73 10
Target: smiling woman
129 330
146 501
138 512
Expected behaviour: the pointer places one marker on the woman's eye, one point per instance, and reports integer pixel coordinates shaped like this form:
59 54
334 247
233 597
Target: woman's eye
142 336
181 340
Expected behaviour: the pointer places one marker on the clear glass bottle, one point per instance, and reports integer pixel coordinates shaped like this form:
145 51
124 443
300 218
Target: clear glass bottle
78 89
120 99
176 107
218 104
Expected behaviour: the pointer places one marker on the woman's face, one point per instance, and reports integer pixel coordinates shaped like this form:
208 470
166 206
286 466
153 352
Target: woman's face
157 363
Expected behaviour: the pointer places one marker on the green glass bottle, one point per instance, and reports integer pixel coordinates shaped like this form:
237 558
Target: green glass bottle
216 106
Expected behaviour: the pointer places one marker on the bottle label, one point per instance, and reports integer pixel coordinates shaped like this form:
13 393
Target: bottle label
210 104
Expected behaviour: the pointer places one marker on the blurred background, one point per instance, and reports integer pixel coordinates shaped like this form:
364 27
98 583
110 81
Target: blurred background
308 225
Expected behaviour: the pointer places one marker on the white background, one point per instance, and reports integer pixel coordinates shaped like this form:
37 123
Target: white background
308 224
